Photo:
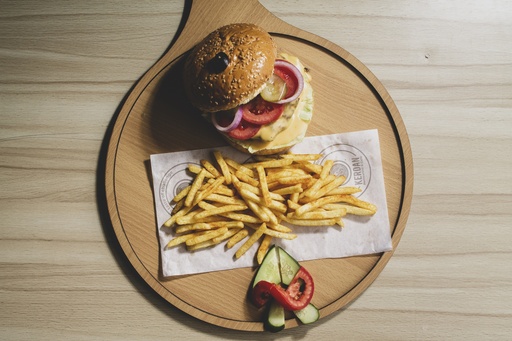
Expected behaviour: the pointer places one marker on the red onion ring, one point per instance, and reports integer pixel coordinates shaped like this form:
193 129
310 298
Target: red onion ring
297 74
237 118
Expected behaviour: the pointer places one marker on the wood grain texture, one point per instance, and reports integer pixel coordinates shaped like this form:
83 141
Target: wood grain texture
66 66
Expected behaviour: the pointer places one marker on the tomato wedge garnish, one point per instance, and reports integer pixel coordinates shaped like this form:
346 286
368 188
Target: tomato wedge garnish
244 131
259 111
296 297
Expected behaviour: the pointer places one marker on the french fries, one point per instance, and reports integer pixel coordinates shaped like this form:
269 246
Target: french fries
259 201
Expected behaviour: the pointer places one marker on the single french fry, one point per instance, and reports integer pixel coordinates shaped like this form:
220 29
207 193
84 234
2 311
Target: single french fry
210 168
220 210
320 202
293 205
279 228
270 163
185 216
297 188
344 190
326 168
280 235
246 178
172 220
206 236
196 185
209 226
237 238
250 242
194 168
182 194
310 167
245 218
301 157
178 240
201 245
197 169
357 202
340 222
179 205
274 174
262 177
231 224
192 227
224 199
232 163
223 166
311 222
324 214
192 218
293 180
350 209
263 248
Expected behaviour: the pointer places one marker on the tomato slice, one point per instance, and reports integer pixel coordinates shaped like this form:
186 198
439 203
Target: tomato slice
296 297
244 131
259 111
288 78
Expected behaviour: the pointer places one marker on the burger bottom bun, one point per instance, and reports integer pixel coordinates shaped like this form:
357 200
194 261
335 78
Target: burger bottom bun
266 151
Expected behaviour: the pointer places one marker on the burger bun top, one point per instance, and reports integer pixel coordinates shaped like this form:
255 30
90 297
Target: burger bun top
229 67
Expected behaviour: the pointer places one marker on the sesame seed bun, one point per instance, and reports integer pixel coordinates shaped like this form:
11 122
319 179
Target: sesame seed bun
229 67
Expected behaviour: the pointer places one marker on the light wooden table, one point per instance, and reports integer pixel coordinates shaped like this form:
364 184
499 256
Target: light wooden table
64 69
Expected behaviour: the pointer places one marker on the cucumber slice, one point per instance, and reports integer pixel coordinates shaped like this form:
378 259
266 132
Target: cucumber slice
269 268
308 315
288 266
275 317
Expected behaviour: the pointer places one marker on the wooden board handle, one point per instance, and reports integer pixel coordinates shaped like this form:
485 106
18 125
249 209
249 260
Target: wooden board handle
204 16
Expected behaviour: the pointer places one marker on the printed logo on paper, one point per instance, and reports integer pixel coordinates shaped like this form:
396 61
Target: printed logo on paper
350 162
173 182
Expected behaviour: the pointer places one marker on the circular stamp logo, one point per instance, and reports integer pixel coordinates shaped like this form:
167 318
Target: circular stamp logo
174 180
350 162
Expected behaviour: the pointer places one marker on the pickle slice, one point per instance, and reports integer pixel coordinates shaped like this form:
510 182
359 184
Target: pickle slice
275 89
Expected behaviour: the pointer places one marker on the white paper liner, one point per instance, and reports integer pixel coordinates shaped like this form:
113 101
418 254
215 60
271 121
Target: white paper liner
356 155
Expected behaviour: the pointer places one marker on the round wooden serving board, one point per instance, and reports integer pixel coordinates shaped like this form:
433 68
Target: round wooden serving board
155 118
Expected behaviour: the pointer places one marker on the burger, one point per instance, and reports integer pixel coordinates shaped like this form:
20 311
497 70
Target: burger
258 97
